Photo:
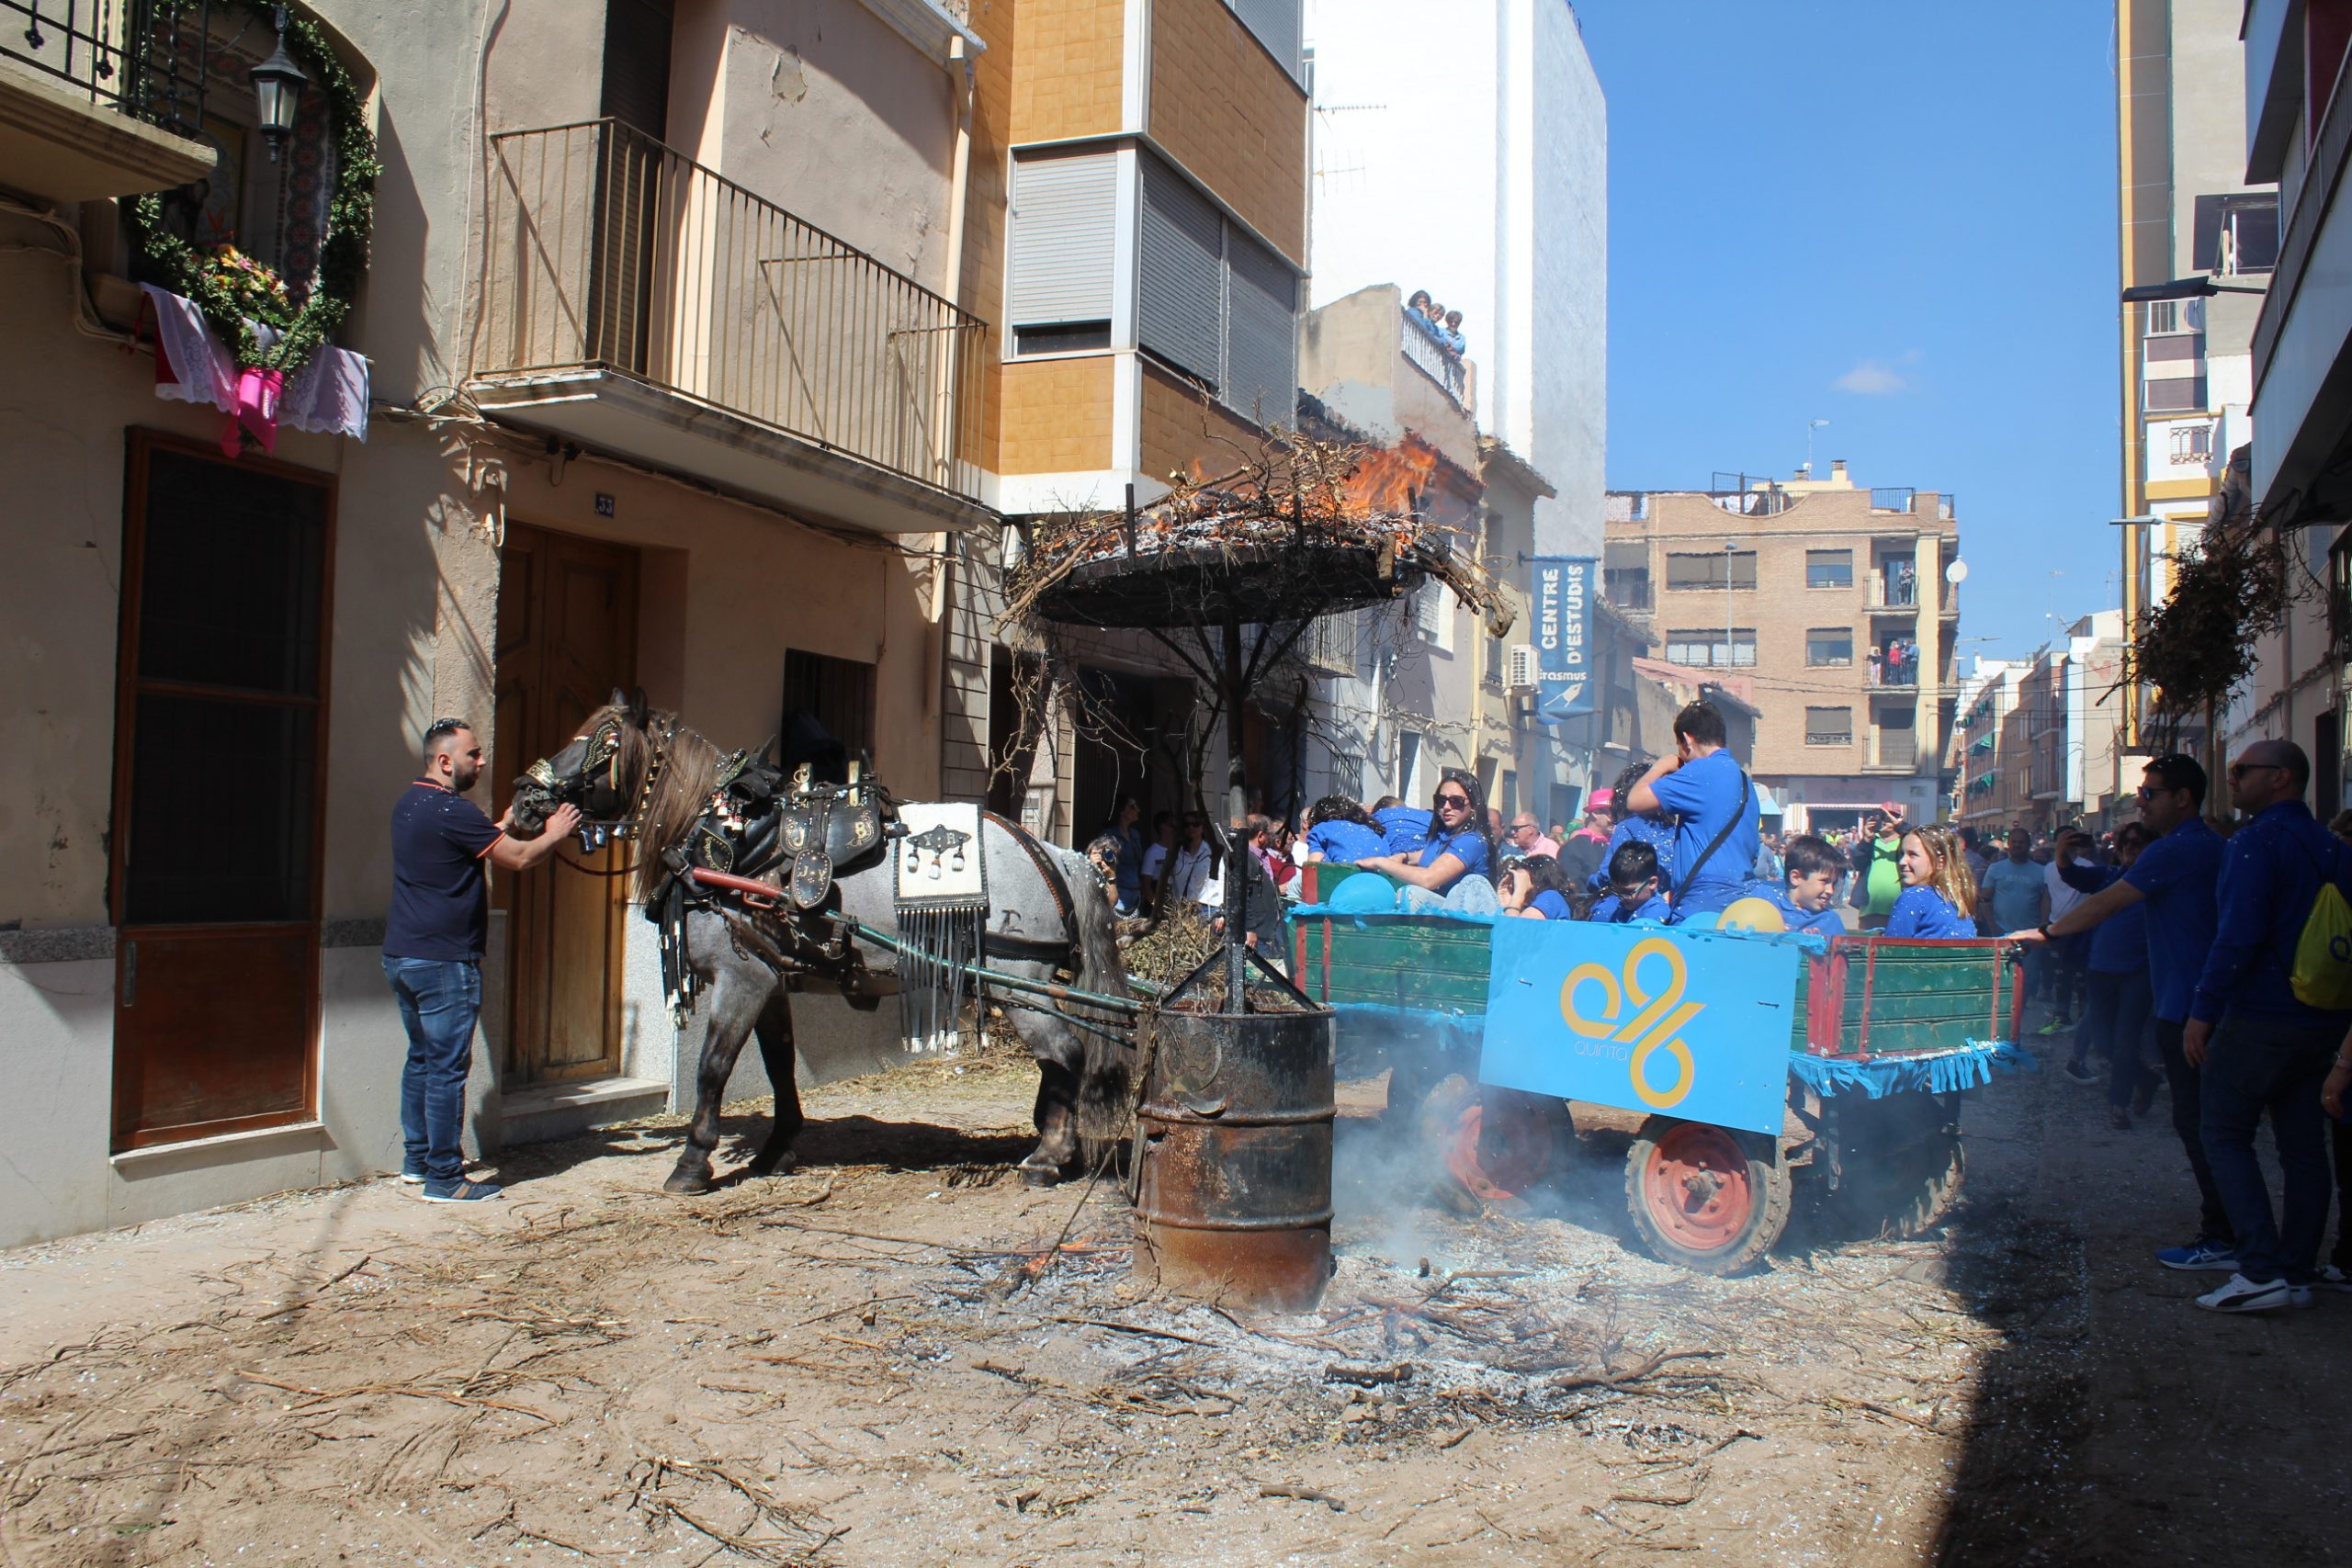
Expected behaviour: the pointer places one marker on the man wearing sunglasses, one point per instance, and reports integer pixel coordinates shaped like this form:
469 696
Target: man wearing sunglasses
2178 875
1457 846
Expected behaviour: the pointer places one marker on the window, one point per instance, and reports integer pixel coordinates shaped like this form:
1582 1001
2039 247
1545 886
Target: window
1714 569
2175 394
838 691
1212 301
1433 614
1625 576
1829 726
2236 233
2166 317
1062 253
1706 646
1275 24
1830 644
2192 444
1829 568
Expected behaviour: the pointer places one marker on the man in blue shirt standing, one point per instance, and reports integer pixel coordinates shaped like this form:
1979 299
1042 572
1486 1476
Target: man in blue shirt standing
2261 1049
1715 836
2177 875
434 938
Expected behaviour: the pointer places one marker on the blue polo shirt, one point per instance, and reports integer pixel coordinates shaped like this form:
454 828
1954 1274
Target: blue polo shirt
1821 922
1612 911
2179 875
1552 905
2271 870
1923 912
2120 942
1705 793
1405 827
1658 836
440 894
1467 846
1345 842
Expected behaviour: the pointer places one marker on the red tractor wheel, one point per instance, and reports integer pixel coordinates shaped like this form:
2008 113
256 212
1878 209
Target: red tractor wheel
1494 1145
1705 1197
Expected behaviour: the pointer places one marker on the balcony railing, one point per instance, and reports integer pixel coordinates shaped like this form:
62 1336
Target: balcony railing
1419 343
1894 748
144 59
609 249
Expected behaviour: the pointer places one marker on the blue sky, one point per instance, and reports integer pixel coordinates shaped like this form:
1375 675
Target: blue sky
1895 215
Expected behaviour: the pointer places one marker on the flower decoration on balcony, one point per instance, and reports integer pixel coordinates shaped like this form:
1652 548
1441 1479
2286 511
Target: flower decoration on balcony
237 293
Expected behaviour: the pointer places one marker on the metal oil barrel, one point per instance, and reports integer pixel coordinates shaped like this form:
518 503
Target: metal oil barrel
1234 1183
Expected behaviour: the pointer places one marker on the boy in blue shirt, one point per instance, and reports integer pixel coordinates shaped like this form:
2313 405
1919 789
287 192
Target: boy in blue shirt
1403 828
1633 888
1715 835
1339 830
1806 896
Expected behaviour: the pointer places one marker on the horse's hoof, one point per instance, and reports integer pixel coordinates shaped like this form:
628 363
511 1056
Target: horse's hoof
783 1165
686 1185
1040 1176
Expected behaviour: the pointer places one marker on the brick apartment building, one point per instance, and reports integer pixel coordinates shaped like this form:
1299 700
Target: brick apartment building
1834 601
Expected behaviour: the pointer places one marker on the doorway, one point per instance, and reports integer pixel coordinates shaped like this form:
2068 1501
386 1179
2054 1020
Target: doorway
219 771
567 639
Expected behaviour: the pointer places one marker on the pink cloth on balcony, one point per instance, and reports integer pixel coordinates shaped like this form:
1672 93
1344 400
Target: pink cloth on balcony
326 397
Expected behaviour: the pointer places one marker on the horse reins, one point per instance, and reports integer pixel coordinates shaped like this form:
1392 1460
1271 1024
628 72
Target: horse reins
633 824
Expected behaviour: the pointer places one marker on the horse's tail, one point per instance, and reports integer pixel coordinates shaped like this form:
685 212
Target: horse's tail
1105 1087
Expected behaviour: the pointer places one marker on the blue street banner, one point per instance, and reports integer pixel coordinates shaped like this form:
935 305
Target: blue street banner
1693 1024
1562 635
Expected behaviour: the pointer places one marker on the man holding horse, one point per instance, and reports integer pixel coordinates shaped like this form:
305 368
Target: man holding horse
433 938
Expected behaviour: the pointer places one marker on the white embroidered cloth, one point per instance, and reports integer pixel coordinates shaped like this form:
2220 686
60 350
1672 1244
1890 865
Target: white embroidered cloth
326 397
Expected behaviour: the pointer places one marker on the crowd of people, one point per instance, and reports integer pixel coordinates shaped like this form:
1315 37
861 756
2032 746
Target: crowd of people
2167 951
1444 328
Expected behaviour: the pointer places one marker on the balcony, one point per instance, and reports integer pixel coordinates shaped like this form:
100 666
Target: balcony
1893 749
651 307
96 96
1418 342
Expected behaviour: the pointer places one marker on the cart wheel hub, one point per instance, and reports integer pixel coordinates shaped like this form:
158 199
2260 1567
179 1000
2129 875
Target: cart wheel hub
1696 1187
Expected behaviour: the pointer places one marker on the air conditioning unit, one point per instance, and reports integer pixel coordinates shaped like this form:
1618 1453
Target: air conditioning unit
1522 667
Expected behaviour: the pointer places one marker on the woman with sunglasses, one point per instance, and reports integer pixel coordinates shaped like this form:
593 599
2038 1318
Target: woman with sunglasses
1458 846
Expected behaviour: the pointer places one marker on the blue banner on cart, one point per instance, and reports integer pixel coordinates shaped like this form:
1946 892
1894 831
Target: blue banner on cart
1563 635
1689 1024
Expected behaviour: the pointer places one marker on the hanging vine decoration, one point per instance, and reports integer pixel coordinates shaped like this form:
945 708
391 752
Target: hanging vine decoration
2229 591
232 290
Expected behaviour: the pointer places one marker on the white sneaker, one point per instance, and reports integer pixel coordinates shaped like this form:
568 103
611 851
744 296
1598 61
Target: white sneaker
2331 1278
2241 1294
412 1179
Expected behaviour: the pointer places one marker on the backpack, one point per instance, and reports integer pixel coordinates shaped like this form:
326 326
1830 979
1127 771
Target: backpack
2322 976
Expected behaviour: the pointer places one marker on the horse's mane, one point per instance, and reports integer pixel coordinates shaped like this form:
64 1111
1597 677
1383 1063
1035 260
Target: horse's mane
681 795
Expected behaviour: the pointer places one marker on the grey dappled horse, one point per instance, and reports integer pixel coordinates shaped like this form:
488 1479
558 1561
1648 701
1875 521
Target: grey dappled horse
1083 1066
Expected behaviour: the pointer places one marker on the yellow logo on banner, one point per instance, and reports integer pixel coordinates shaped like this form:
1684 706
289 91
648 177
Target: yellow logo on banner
1658 1026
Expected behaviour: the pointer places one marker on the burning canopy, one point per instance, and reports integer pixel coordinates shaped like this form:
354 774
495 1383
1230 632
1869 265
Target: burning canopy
1305 528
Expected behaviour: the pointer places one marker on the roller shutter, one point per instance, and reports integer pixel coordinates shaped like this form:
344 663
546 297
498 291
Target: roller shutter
1276 25
1180 305
1062 251
1262 340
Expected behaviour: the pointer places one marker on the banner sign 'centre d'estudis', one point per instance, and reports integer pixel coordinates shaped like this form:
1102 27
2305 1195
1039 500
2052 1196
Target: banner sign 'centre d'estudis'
1562 635
1689 1024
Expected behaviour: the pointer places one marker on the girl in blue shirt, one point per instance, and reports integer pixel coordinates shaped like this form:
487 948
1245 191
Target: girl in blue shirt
1534 889
1939 897
1457 846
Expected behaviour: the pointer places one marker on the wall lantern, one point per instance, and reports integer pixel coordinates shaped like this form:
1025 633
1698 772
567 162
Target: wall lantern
278 91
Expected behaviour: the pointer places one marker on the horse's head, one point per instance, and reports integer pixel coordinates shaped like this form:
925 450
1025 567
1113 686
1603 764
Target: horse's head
598 774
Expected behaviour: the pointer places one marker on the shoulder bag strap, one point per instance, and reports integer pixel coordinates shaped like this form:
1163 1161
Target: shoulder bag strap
1684 879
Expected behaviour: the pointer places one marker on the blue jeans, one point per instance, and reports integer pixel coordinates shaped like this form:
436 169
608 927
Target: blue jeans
2257 1064
440 998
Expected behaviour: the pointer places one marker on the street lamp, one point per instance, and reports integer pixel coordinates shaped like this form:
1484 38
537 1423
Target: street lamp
2196 287
278 91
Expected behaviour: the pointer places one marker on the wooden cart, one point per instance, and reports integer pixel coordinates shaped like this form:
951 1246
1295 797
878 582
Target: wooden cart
1888 1035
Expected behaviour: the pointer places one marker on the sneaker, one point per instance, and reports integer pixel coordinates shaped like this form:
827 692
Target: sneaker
2119 1117
412 1179
2331 1277
2299 1296
2241 1294
2056 1026
458 1192
2203 1256
2080 1072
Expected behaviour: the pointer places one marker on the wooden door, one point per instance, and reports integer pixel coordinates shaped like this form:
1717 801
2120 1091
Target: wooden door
567 637
220 769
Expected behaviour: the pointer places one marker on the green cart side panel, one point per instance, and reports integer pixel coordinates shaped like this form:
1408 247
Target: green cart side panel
1407 961
1900 997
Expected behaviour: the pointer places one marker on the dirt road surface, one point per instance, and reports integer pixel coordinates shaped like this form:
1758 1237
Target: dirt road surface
899 1356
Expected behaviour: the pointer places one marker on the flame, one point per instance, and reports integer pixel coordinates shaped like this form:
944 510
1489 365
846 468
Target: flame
1392 478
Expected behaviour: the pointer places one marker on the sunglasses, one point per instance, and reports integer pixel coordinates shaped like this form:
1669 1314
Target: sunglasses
2239 769
1453 800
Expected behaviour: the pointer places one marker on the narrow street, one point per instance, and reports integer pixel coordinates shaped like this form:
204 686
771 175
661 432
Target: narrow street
883 1359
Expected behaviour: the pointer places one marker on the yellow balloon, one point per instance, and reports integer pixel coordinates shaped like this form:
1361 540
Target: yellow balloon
1752 915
